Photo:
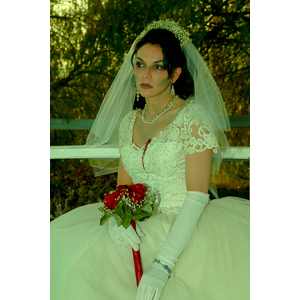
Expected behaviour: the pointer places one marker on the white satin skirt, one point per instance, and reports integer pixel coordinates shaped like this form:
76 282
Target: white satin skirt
87 265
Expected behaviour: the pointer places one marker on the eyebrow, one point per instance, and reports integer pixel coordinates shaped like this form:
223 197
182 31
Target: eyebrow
158 61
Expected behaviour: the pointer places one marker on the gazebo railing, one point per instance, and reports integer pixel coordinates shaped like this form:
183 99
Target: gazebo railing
85 152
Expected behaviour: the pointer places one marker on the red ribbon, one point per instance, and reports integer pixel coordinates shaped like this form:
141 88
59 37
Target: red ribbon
137 260
143 156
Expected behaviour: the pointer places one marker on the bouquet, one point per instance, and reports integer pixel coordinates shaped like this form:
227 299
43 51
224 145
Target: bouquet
128 204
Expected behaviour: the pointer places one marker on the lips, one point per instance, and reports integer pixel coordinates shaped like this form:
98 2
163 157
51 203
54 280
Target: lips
146 86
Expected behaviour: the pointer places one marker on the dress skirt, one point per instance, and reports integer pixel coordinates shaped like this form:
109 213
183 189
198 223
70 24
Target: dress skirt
87 265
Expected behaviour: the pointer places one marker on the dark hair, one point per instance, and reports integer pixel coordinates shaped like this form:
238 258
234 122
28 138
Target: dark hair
173 58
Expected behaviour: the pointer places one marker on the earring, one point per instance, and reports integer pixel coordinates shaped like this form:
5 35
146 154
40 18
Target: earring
172 91
137 96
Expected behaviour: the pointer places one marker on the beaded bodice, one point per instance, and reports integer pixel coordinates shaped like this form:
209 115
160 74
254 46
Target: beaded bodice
160 163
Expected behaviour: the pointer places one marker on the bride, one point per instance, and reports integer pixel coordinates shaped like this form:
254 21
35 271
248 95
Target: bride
192 248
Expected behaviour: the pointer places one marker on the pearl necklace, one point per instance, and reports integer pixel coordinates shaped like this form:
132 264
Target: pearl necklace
158 115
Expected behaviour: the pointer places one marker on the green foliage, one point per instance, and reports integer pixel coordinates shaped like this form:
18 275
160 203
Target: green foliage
105 217
88 45
73 184
233 176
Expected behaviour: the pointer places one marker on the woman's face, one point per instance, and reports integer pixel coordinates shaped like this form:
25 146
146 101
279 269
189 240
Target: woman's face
152 79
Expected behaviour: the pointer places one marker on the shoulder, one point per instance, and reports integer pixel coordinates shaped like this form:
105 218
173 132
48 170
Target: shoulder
197 131
125 127
126 124
195 114
128 117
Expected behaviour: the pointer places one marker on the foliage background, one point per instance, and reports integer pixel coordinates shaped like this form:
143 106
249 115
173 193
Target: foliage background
88 42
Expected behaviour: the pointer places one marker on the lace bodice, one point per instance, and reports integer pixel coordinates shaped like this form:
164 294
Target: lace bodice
160 163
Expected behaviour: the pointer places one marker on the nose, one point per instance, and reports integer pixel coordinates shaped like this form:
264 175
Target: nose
148 72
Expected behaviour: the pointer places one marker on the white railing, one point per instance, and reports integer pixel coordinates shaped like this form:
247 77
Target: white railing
104 152
85 152
86 124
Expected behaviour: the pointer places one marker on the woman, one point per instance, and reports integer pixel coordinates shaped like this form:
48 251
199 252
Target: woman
167 145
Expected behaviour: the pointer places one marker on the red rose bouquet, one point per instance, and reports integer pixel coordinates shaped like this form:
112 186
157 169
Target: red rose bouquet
128 204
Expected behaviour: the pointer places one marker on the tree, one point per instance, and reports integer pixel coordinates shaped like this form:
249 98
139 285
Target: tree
88 47
89 43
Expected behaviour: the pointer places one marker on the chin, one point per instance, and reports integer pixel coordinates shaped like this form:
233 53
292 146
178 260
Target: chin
147 94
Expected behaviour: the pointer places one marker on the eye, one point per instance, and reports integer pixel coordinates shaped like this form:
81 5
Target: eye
159 67
139 64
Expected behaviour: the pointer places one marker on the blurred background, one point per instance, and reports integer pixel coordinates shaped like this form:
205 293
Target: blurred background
88 42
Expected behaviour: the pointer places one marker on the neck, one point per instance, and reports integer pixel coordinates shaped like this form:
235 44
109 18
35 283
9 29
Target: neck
156 105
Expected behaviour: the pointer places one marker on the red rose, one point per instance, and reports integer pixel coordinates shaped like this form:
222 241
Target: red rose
137 193
111 200
123 190
122 187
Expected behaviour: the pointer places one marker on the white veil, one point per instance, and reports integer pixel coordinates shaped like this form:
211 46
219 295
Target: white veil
120 98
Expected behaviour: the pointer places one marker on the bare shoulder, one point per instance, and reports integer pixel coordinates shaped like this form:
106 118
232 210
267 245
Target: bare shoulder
139 112
180 104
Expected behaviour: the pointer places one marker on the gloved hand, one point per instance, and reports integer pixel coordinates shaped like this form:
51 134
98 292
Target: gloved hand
125 237
152 283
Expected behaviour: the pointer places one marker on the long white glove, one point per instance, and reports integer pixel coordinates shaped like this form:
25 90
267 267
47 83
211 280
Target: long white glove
125 237
155 278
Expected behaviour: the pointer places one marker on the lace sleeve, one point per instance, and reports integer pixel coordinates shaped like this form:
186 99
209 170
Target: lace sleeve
197 132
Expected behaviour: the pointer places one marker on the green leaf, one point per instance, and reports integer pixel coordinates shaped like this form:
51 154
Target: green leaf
141 215
147 208
105 217
127 222
119 207
128 217
118 219
128 210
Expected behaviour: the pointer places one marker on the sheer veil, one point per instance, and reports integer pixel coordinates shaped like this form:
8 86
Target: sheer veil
120 98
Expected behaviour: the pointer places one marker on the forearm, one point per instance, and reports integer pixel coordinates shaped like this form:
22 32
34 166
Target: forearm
183 227
156 276
123 177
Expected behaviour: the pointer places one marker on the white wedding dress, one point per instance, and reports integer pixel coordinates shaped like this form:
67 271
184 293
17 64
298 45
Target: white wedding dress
86 264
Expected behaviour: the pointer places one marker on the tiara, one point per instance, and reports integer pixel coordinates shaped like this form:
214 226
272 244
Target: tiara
181 34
